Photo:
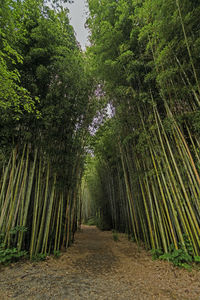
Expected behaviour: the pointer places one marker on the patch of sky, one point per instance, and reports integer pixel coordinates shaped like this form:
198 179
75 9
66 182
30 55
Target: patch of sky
78 13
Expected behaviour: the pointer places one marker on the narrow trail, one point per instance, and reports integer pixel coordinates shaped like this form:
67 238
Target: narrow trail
96 267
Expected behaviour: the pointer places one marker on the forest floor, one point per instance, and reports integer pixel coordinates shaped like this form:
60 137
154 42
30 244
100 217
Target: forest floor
96 267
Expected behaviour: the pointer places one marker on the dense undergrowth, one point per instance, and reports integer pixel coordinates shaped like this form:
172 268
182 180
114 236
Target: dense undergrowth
181 257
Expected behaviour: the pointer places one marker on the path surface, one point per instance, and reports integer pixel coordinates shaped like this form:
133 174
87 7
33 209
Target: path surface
95 267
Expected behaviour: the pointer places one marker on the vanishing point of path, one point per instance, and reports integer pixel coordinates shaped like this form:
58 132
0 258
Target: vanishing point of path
96 267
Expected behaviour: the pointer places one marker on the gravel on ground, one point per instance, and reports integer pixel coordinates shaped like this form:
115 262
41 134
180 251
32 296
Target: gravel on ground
97 267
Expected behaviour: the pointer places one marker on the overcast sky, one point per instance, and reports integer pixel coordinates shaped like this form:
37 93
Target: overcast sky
78 14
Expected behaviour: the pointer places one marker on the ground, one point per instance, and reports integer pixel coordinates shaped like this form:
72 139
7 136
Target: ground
97 267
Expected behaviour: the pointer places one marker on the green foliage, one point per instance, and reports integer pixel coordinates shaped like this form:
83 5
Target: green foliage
103 223
156 253
14 98
14 233
131 238
115 235
91 221
11 254
17 229
2 235
179 257
8 255
39 257
56 253
182 257
188 245
197 259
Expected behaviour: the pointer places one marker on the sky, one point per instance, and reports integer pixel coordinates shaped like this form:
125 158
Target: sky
78 13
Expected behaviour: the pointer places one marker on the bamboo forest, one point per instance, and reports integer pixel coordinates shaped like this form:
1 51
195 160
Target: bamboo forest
108 135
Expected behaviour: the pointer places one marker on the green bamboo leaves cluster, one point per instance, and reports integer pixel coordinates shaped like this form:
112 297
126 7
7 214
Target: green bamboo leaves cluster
13 97
148 161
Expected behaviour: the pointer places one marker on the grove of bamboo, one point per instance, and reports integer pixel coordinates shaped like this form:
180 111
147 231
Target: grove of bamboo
147 156
144 176
46 107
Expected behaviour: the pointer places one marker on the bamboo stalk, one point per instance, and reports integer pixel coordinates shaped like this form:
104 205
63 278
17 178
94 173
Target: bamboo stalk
35 212
48 218
40 235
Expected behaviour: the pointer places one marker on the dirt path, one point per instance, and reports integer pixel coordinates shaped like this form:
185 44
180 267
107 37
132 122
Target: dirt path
96 267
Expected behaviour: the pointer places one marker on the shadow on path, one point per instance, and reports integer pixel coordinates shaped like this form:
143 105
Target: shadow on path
95 267
96 255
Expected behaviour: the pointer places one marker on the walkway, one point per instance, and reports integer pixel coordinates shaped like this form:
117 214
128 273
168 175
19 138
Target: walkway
96 267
